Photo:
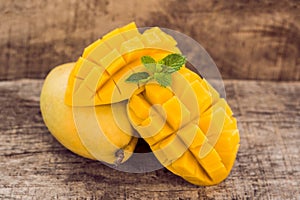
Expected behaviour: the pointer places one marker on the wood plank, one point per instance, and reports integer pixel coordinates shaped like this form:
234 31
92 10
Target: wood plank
35 166
242 37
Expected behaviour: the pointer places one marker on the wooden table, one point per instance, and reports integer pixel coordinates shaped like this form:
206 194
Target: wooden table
35 166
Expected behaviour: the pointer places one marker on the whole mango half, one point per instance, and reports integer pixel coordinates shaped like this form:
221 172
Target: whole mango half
98 76
189 128
90 132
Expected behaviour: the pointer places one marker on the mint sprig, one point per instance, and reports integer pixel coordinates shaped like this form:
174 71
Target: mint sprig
173 60
163 79
159 71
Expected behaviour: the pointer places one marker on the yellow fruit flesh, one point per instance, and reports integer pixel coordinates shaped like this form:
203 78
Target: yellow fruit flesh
99 75
199 144
188 126
75 128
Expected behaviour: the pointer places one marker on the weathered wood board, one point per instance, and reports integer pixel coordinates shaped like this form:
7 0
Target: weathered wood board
35 166
243 37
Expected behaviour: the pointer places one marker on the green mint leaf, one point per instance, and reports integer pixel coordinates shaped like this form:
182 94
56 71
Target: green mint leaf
146 79
158 68
163 79
147 60
162 62
151 67
173 60
137 77
168 70
160 71
149 63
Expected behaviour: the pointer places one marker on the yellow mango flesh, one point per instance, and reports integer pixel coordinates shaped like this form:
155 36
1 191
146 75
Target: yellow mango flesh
78 128
189 128
99 75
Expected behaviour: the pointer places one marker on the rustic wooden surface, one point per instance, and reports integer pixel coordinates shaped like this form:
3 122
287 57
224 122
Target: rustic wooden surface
247 39
35 166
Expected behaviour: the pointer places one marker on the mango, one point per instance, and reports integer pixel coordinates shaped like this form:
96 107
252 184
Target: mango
91 132
99 74
90 108
189 128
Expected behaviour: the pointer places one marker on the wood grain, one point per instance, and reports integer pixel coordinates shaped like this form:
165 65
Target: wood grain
242 37
35 166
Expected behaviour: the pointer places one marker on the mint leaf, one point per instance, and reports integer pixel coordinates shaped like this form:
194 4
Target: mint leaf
147 60
146 79
160 71
161 62
173 60
137 77
168 70
163 79
158 68
149 63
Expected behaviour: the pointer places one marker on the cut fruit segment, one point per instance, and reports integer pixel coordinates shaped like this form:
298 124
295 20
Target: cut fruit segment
84 77
112 62
156 38
156 94
131 45
129 31
189 106
96 51
116 88
143 106
111 34
153 125
114 40
228 157
176 112
192 137
216 118
213 166
227 141
132 49
189 169
169 149
88 49
91 81
119 53
189 128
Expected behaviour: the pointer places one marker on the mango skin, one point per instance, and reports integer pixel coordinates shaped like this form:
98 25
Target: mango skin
59 118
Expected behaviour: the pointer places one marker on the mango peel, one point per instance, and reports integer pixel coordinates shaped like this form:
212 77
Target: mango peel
111 144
